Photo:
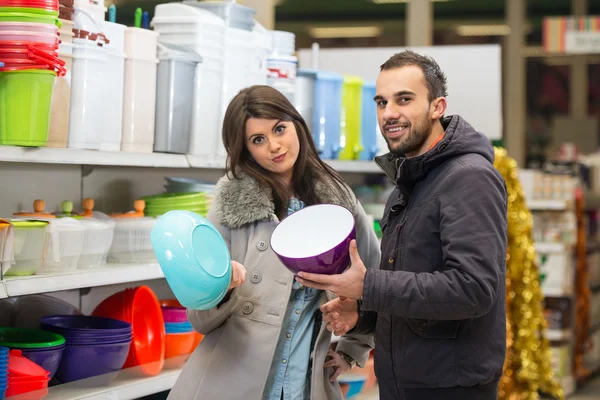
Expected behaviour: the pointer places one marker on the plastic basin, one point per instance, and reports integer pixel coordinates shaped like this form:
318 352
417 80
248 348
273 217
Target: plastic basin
178 345
326 231
87 324
47 359
29 15
25 98
194 258
141 308
80 362
29 338
174 314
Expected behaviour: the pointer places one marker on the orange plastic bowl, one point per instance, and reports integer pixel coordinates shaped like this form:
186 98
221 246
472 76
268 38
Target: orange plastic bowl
141 308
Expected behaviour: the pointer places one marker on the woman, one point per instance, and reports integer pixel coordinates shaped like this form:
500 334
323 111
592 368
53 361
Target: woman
265 340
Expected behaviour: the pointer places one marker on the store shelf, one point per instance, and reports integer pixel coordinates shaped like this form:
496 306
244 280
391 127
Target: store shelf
558 291
110 274
156 160
543 205
547 247
127 385
3 294
365 167
91 157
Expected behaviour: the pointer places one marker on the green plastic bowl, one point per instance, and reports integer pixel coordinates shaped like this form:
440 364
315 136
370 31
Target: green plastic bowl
30 17
29 338
169 198
29 10
25 98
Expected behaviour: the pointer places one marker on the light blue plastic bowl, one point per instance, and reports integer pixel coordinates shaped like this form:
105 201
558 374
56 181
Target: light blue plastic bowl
193 257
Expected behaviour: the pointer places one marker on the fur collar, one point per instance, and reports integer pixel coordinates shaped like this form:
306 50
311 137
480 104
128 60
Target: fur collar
238 202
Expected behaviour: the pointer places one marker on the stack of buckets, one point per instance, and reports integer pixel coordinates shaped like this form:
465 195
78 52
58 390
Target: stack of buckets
28 49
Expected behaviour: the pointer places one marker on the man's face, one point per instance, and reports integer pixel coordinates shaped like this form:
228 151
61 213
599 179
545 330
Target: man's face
404 110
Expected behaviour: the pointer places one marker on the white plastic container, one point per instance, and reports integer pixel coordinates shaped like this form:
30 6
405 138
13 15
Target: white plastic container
64 245
139 93
95 8
284 43
97 86
281 75
235 15
7 239
304 98
97 239
131 242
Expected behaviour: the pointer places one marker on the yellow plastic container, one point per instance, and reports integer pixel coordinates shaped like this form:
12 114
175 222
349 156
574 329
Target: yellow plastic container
350 121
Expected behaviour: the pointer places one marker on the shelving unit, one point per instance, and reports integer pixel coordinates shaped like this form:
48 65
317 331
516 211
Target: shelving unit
152 160
127 385
110 274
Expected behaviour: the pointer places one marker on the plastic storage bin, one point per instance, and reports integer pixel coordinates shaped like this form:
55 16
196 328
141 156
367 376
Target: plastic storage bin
139 94
175 98
28 248
235 15
65 244
368 122
326 113
203 32
350 144
131 243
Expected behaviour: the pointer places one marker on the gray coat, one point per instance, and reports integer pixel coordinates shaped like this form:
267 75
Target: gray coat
234 358
439 298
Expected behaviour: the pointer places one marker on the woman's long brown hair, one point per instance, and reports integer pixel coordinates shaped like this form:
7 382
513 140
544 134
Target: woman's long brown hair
265 102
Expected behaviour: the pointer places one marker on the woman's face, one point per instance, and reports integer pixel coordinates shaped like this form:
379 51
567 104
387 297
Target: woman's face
274 145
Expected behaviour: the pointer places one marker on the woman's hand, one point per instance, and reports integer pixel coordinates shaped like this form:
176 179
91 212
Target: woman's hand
238 275
338 363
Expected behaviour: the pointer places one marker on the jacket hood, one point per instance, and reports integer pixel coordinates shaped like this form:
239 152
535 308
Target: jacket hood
460 138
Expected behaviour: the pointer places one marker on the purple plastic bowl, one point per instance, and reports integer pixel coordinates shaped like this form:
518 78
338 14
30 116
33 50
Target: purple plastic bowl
174 314
85 324
81 362
47 359
315 239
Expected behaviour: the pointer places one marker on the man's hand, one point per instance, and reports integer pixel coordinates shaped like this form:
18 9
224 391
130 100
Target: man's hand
348 284
338 363
238 275
341 315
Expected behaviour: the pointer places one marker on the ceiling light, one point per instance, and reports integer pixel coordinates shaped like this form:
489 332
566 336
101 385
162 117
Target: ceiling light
483 30
345 32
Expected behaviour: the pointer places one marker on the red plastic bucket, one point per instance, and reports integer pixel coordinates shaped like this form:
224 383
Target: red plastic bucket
42 4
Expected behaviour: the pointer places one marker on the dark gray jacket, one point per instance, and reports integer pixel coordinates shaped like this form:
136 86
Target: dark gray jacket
438 299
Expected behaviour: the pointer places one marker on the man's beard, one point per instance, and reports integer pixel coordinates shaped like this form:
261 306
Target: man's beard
413 140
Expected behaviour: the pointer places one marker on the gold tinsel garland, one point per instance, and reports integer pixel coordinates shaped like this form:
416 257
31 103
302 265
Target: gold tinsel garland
528 366
582 295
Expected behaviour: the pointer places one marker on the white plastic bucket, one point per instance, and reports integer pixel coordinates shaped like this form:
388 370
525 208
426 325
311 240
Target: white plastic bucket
96 98
206 116
58 131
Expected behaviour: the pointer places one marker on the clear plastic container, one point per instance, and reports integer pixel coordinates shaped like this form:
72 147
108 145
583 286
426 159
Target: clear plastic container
350 144
131 243
28 248
32 27
98 237
368 122
64 245
24 36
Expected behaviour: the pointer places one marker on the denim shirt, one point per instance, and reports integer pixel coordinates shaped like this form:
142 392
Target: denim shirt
288 378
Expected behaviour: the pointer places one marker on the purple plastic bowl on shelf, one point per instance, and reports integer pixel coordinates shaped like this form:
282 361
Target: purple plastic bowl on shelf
174 314
315 239
85 324
81 362
48 358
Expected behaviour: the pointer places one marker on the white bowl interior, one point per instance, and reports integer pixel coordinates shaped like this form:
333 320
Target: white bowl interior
312 231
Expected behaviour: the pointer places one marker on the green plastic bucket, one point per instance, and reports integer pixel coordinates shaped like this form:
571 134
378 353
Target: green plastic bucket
29 10
25 98
29 17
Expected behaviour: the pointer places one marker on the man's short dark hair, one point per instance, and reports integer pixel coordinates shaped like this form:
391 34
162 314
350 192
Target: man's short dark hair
434 77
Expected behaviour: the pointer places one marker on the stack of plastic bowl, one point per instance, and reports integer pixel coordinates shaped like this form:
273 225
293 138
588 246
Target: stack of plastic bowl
28 49
158 205
43 348
94 346
140 308
181 337
3 370
25 376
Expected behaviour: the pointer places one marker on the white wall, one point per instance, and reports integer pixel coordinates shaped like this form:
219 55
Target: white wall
474 76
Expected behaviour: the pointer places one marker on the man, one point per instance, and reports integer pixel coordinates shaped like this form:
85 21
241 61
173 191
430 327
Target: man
437 302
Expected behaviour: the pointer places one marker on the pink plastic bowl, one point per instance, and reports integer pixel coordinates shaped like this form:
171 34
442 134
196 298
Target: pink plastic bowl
315 239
